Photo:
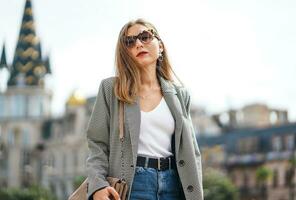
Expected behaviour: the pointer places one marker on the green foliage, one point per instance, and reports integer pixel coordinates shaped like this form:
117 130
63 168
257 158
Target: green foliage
263 174
78 180
292 162
218 187
32 193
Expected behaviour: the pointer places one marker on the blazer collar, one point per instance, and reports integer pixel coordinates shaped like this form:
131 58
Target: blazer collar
166 86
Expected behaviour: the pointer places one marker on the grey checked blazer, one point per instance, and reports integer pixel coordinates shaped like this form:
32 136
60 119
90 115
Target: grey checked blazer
104 144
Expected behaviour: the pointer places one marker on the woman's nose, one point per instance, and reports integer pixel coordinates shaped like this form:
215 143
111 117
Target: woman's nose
139 43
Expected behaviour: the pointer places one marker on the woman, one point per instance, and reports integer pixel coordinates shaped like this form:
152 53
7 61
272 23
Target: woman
161 159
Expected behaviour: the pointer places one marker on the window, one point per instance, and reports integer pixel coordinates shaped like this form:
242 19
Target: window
273 117
289 142
70 123
25 138
13 106
35 106
2 106
283 116
3 166
224 118
239 116
20 80
18 106
275 178
288 177
277 143
248 145
246 179
10 138
26 158
64 161
14 136
51 160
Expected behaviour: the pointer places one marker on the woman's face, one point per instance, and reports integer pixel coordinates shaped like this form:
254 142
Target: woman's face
145 54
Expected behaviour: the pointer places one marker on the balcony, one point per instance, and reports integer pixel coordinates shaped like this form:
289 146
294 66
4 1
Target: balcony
246 159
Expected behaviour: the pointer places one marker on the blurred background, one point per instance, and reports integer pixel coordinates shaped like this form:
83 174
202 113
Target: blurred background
237 59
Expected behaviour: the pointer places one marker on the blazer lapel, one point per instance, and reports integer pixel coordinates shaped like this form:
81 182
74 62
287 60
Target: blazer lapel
132 115
171 98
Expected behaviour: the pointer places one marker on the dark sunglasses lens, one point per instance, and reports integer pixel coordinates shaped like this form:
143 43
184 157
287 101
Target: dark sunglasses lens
145 36
130 41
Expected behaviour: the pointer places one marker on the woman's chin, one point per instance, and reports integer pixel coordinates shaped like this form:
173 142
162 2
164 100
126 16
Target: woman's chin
144 63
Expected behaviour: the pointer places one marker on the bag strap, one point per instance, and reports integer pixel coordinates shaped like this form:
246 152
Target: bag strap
121 124
121 136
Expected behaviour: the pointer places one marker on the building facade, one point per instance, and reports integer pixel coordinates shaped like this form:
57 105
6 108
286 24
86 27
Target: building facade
66 147
252 115
245 154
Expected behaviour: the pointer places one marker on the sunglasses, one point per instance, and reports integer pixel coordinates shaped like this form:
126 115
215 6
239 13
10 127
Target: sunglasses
145 37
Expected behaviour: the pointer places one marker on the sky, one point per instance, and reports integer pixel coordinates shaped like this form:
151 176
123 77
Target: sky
228 53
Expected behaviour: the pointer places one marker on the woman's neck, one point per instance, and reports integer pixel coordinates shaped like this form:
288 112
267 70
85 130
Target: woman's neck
149 78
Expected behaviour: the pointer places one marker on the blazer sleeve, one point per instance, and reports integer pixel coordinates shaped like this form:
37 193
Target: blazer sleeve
98 142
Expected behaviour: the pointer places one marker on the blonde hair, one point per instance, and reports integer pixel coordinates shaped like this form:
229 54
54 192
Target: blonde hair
128 74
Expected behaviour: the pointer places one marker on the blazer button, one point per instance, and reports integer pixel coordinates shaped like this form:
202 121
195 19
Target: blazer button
190 188
181 163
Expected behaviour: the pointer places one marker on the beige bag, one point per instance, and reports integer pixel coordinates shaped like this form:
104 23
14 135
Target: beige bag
119 185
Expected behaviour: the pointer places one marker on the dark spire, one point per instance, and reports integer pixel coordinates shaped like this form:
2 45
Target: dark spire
28 66
3 62
47 64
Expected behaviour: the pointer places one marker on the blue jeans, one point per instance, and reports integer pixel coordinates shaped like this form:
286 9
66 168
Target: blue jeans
151 184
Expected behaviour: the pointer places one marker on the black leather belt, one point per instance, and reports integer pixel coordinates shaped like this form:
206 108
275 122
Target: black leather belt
157 163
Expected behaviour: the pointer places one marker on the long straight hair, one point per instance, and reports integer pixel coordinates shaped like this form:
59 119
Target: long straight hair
128 74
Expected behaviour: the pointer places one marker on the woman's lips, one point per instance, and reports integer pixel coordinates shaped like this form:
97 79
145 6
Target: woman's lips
142 54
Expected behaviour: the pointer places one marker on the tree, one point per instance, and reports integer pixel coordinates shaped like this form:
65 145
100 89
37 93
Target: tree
262 175
218 187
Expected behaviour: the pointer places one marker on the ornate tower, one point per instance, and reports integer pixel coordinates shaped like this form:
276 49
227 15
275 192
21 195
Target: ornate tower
28 66
24 107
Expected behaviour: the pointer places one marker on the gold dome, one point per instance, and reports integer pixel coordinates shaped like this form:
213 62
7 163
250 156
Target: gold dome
76 99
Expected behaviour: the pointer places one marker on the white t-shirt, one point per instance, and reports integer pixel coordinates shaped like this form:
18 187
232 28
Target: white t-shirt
156 130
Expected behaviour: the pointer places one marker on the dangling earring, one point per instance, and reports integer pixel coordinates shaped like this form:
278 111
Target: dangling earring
160 57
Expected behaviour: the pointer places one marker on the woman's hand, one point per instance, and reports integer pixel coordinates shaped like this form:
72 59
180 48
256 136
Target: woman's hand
108 193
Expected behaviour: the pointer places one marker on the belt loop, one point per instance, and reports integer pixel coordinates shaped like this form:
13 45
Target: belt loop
158 163
146 162
170 163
